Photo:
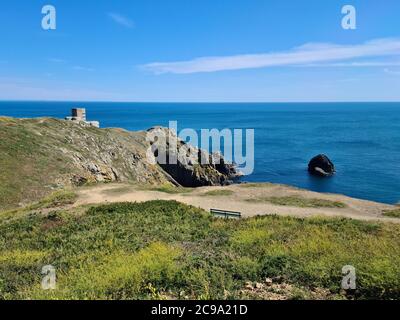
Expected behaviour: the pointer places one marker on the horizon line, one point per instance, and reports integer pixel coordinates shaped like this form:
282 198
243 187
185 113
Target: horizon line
201 102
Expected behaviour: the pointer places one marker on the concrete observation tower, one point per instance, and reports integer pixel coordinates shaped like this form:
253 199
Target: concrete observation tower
79 115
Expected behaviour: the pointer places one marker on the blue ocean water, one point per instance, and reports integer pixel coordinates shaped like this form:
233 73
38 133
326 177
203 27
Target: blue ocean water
362 139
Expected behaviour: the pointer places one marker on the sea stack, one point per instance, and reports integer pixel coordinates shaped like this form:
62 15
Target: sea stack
321 166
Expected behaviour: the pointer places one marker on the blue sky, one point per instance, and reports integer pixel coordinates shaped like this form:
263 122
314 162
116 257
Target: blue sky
191 50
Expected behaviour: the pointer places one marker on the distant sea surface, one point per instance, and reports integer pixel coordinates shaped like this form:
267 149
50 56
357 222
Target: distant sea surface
362 139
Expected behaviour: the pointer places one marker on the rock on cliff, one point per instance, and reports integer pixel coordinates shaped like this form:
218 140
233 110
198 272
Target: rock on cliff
187 165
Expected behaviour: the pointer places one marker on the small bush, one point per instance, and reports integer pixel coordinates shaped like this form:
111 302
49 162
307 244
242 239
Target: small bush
278 265
246 268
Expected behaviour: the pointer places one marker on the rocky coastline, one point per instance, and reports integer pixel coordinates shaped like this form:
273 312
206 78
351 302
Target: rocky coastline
43 154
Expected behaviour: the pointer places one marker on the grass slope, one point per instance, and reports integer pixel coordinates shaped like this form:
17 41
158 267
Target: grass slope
164 249
28 170
38 156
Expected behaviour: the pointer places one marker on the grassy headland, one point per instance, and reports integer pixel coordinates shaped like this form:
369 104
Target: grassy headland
165 249
39 156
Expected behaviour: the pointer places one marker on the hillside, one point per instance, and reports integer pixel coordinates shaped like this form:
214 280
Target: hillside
38 156
144 235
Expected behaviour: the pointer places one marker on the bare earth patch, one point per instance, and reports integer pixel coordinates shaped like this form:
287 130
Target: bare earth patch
119 190
277 290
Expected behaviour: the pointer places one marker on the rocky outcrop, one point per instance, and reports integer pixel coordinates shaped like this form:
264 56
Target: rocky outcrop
321 166
187 165
40 155
119 155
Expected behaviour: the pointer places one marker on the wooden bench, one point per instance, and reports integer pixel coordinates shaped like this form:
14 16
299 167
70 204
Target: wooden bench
225 214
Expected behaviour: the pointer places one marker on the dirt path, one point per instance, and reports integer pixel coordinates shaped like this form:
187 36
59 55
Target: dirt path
249 199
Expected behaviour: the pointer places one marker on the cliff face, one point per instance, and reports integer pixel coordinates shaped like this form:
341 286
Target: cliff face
188 165
40 155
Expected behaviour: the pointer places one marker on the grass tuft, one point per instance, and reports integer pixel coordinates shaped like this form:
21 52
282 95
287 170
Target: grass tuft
56 199
217 193
256 185
392 213
295 201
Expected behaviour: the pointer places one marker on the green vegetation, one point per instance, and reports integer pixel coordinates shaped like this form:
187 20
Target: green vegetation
57 199
299 202
169 188
217 193
27 172
38 156
392 213
163 249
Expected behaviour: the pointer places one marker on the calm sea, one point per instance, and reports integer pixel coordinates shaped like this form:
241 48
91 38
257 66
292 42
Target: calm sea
362 139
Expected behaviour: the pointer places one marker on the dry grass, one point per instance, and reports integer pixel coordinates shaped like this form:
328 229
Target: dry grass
300 202
256 185
392 213
119 190
218 193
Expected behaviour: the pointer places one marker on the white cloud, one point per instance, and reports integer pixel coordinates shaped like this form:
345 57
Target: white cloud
35 89
312 53
355 64
121 20
394 72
